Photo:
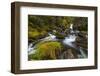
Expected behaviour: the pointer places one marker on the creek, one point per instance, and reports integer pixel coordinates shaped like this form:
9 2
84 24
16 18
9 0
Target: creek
68 41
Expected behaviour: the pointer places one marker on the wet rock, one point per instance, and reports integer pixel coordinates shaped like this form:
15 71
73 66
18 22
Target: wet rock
82 40
60 35
69 54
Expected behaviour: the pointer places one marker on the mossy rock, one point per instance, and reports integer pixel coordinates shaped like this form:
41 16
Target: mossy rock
36 34
47 51
60 36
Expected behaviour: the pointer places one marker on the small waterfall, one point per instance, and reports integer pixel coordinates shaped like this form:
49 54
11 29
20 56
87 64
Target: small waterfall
51 37
69 41
31 49
82 53
71 29
70 38
71 26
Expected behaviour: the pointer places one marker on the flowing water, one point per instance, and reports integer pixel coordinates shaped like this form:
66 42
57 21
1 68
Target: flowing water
31 48
69 40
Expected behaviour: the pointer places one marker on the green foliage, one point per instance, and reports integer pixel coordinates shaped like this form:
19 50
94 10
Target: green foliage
59 23
39 26
81 23
46 50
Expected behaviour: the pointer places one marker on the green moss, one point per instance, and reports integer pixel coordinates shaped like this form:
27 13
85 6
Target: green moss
35 34
46 50
59 35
